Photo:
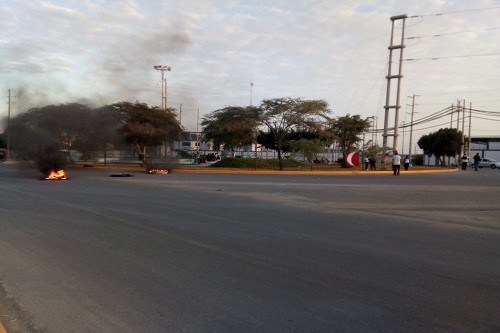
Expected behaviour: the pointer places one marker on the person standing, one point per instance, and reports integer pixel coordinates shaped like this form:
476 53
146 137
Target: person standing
366 163
373 162
477 158
406 162
396 163
465 160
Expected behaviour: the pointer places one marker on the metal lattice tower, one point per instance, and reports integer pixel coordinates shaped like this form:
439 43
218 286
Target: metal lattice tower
390 76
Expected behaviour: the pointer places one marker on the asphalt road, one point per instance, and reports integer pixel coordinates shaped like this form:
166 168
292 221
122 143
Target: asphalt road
250 253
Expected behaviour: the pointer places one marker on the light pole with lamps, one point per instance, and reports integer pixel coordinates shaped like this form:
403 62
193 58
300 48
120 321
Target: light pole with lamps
163 84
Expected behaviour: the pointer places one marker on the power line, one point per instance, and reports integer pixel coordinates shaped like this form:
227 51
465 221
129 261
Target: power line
425 128
475 117
457 56
451 33
455 12
459 92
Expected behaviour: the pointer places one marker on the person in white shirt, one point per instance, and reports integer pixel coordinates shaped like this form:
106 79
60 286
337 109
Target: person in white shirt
396 163
465 161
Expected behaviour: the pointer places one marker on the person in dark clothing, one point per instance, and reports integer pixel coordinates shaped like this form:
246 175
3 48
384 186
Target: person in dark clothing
373 162
477 159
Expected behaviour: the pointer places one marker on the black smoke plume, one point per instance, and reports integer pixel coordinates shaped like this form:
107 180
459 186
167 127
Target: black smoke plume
51 158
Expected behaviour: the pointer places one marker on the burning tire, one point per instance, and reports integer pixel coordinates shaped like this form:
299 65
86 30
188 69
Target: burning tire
158 168
51 163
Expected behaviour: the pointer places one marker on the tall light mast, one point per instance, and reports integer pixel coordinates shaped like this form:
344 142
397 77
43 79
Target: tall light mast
163 69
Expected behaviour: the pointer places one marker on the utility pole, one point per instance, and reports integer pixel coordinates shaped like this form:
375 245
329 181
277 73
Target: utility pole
197 130
458 126
391 76
180 115
458 115
411 124
180 125
373 128
462 146
402 151
8 127
470 126
451 121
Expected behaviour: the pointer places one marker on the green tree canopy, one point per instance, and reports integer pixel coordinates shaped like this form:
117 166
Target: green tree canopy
267 138
282 115
373 150
144 126
310 148
425 143
347 129
444 142
232 126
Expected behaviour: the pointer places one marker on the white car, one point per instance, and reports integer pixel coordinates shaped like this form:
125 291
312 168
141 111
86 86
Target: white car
488 162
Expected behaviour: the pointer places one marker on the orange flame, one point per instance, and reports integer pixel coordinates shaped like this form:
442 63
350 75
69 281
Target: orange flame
55 175
164 171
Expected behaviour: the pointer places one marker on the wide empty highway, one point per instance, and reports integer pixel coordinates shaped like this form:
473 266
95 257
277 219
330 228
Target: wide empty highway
249 253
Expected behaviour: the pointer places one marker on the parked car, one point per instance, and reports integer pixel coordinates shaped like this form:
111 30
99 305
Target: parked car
488 162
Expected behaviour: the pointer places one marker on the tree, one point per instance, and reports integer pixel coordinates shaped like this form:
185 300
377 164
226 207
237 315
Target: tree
101 133
282 115
144 126
232 126
425 143
307 147
447 143
373 150
52 126
267 138
347 130
444 142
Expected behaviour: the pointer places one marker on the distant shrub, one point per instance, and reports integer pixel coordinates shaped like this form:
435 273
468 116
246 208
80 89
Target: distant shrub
185 154
417 159
251 163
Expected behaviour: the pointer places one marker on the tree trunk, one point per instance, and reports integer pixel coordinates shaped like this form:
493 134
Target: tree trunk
280 159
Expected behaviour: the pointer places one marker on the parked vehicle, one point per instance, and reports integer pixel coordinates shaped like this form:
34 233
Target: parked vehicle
489 163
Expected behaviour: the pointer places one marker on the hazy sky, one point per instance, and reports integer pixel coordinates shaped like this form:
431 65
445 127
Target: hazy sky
100 52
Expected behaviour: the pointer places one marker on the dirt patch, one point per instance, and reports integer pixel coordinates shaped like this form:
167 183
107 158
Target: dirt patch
13 317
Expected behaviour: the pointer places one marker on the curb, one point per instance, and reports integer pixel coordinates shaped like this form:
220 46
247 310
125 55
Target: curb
204 170
306 171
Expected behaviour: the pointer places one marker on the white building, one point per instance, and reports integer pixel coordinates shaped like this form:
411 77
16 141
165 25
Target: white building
486 146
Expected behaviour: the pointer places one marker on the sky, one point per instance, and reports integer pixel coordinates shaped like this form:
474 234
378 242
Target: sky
225 53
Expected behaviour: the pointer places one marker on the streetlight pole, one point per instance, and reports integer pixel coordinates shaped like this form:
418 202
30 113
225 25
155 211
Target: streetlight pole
163 84
251 93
